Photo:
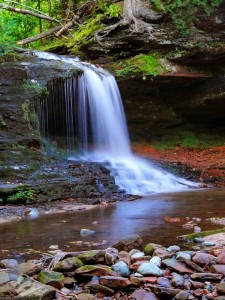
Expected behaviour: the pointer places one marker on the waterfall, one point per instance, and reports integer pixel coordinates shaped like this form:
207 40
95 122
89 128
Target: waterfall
86 115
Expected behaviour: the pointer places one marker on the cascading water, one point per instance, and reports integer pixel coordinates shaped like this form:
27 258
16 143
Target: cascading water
88 111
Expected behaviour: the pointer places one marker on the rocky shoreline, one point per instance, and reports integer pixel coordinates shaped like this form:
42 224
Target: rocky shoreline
126 270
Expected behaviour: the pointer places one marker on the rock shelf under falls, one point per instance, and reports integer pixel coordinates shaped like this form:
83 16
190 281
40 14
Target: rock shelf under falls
127 270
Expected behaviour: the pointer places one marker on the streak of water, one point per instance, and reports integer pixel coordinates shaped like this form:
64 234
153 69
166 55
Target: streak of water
96 124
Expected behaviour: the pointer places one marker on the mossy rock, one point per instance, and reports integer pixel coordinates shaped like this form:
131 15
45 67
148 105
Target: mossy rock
52 278
93 270
151 247
192 236
94 256
68 264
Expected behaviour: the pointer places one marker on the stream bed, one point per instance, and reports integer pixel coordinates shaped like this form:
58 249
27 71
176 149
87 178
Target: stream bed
145 217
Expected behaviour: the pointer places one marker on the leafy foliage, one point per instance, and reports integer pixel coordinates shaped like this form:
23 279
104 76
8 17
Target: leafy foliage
183 13
21 196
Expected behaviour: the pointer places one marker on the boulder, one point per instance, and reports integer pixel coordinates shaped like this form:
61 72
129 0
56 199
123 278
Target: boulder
26 288
29 268
111 256
121 268
52 278
143 295
177 266
148 268
93 270
68 264
129 242
114 282
92 256
202 259
150 248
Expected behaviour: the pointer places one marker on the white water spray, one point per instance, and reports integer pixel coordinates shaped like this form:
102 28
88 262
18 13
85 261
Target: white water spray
93 104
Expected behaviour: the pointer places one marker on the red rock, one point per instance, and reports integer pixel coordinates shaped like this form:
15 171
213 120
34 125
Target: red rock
206 276
199 293
129 242
221 287
114 282
162 253
137 281
178 266
143 295
202 259
197 284
151 279
125 257
141 258
218 269
136 265
172 220
221 257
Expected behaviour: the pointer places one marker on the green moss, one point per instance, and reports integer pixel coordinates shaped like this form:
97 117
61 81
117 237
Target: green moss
143 64
192 236
11 57
149 249
187 139
185 13
84 34
52 278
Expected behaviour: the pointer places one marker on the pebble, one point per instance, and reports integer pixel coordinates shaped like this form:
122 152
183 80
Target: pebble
86 232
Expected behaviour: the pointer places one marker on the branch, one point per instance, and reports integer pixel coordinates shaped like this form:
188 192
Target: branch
26 12
67 26
39 36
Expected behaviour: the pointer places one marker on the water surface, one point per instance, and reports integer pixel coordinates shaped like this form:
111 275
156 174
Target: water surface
144 217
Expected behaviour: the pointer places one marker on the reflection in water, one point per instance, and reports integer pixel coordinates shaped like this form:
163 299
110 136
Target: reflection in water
144 216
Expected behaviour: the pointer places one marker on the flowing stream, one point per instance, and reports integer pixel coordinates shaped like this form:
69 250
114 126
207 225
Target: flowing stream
88 112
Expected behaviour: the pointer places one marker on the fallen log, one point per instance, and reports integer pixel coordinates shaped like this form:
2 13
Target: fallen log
40 36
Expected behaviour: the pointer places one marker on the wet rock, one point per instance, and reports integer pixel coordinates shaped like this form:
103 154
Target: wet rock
156 260
92 256
28 268
143 295
197 229
129 242
137 264
137 256
173 249
151 279
125 257
133 251
206 276
26 288
194 266
177 280
163 282
55 279
199 240
197 284
162 253
9 263
114 282
121 268
85 296
85 231
218 269
148 268
163 291
178 266
98 288
68 264
150 248
93 270
187 284
208 244
182 295
202 259
199 293
221 257
8 275
111 256
137 281
220 298
182 256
